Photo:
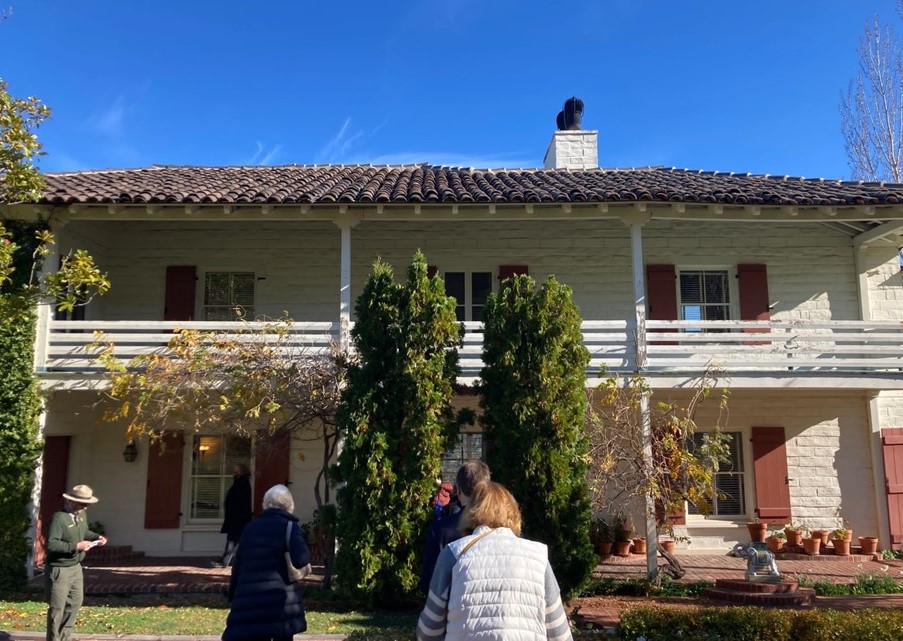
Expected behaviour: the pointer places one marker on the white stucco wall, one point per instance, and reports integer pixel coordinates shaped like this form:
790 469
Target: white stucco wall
828 461
96 460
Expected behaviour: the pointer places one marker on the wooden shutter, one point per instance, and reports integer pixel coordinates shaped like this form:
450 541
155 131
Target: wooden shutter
507 271
271 464
54 474
770 470
163 502
661 292
180 285
892 447
753 284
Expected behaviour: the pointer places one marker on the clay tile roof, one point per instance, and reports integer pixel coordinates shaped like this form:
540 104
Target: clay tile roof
316 184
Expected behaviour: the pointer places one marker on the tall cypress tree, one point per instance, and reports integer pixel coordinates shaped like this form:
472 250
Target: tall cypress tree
397 421
534 406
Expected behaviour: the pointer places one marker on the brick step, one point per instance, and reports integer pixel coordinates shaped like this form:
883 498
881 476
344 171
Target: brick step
786 586
112 554
802 597
796 553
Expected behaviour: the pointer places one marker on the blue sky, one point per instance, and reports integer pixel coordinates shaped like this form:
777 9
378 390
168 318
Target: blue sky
706 84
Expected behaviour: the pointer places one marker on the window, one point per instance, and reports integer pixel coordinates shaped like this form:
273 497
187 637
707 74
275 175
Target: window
468 446
470 289
228 296
212 461
731 499
705 295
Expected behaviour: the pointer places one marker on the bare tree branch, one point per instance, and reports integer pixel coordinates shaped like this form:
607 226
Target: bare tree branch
871 109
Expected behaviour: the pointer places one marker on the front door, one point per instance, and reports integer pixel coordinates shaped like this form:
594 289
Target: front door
54 475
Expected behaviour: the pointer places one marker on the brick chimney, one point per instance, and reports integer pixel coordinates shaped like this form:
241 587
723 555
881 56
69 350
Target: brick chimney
571 146
573 150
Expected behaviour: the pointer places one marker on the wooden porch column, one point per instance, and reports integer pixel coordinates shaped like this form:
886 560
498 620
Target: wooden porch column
635 221
345 224
41 342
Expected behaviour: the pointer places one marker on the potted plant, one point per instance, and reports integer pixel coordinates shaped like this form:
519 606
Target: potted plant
668 545
812 545
823 535
776 541
869 544
757 530
840 542
794 534
601 536
639 545
621 533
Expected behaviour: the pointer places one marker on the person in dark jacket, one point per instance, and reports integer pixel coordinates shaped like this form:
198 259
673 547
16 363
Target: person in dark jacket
237 508
444 530
264 603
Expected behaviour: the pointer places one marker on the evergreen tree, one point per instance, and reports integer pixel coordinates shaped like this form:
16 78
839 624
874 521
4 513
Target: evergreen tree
397 421
534 407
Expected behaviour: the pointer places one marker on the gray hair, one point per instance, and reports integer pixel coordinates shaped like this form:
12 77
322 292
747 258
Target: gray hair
279 496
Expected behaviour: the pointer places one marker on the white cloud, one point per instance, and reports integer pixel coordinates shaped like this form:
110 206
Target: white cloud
263 156
109 121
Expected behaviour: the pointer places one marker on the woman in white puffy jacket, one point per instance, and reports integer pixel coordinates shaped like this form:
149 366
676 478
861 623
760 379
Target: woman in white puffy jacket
493 585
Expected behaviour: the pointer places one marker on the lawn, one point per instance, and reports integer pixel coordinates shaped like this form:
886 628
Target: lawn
181 615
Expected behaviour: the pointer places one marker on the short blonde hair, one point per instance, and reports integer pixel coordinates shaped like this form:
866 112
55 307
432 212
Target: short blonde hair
491 505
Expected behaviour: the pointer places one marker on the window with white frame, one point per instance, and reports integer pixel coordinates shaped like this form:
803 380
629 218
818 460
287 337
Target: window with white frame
729 480
705 294
470 289
469 445
213 457
228 296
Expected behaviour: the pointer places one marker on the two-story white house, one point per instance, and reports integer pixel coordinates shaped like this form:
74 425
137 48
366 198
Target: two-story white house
793 285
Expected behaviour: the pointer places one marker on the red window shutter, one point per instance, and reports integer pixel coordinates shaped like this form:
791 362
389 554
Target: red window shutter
179 299
892 448
431 270
271 464
770 470
55 473
661 292
507 271
753 281
163 502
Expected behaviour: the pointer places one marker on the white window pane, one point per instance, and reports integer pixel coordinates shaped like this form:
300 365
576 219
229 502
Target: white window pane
216 289
692 312
691 287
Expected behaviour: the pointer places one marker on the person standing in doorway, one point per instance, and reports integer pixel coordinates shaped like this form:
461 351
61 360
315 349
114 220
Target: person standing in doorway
445 530
237 508
68 539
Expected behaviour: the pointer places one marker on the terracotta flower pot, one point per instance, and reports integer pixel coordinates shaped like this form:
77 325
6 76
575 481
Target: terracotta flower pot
812 546
821 534
841 547
621 548
869 544
774 543
639 545
603 548
668 545
793 536
757 531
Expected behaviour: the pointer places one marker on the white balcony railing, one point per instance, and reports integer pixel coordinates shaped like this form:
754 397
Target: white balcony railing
786 348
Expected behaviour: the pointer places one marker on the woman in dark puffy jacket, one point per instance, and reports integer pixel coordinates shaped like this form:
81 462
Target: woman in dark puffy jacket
265 604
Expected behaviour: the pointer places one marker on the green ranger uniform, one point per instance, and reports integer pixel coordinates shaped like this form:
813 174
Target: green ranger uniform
63 572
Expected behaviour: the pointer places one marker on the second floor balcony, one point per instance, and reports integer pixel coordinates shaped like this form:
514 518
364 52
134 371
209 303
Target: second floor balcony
866 355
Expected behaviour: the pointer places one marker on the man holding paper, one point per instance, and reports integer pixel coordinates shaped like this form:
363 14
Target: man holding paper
68 538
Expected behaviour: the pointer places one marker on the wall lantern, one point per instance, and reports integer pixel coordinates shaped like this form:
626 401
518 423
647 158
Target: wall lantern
130 453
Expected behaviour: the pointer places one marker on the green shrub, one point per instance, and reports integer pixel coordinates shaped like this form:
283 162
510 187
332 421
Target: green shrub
20 449
397 421
534 409
865 584
607 586
755 624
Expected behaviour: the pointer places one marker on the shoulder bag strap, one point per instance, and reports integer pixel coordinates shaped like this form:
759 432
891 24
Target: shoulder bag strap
470 543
